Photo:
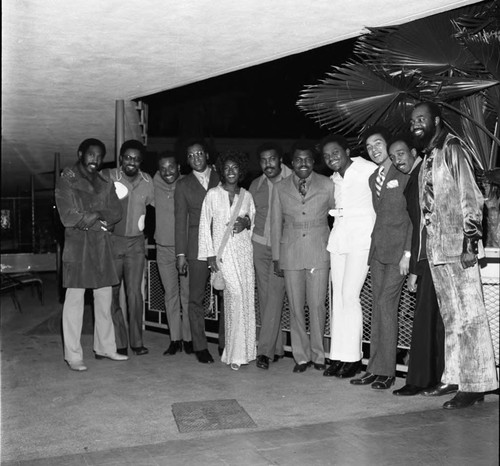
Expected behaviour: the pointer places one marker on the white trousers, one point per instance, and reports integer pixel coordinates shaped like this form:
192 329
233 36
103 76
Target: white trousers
348 273
72 321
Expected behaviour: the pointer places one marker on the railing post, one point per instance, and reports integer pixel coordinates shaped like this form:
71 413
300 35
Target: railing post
119 128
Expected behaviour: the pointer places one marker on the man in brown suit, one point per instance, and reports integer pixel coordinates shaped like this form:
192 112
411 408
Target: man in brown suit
188 199
299 234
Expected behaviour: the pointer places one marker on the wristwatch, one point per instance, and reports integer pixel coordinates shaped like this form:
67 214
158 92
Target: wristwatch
407 254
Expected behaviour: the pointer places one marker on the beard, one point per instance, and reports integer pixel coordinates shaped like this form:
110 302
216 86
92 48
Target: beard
423 141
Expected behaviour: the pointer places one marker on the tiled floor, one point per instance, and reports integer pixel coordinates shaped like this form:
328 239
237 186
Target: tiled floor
468 437
121 413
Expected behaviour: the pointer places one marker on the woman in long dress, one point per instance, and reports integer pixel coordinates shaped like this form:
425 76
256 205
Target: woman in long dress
236 262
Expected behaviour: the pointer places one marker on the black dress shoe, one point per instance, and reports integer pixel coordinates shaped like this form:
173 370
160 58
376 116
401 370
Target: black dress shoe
300 367
349 369
383 382
140 350
122 351
440 389
365 379
277 357
319 367
221 350
262 362
173 348
204 356
188 347
333 368
464 399
408 390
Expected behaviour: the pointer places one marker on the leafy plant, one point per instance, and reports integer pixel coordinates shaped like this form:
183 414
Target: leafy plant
452 59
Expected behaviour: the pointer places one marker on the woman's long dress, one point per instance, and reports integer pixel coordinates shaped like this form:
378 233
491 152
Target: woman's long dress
237 269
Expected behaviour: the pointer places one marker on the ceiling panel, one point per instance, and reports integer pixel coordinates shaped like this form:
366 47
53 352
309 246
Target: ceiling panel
65 63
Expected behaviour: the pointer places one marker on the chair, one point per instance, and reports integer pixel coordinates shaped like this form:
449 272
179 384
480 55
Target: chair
10 282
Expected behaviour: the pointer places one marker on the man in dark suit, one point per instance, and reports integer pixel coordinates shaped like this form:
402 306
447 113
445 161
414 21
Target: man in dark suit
389 260
299 235
189 195
427 340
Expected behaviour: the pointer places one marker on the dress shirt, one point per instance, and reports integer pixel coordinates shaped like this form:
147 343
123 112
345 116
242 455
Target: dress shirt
134 196
203 177
354 213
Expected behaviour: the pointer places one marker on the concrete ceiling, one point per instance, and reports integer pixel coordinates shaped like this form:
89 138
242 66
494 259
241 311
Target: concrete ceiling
65 63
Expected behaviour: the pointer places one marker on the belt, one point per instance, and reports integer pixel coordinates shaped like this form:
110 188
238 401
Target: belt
350 212
310 224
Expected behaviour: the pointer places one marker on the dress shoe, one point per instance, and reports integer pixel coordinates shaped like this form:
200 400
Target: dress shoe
204 356
140 350
112 356
383 382
173 348
464 399
235 367
277 357
349 369
77 366
365 379
123 351
262 362
408 390
333 368
441 389
188 347
319 367
300 367
221 350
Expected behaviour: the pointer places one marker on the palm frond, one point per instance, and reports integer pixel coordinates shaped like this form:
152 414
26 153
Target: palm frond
354 96
485 47
456 88
477 140
483 17
493 100
427 45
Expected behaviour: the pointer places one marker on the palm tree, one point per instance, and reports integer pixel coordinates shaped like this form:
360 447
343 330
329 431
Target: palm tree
452 59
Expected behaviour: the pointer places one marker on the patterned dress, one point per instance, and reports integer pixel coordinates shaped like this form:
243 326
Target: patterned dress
237 269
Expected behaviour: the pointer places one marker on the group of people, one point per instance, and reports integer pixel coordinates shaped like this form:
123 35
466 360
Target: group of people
412 212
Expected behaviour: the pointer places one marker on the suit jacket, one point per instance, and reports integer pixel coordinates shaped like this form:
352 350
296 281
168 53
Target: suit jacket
456 219
392 231
299 230
413 208
188 199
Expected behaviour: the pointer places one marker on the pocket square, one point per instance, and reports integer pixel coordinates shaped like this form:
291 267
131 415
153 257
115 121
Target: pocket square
392 184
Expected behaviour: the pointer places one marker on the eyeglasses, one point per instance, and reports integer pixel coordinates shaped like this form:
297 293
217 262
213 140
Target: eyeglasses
198 154
131 158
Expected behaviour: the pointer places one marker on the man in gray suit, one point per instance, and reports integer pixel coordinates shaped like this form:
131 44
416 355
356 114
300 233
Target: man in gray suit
389 259
299 235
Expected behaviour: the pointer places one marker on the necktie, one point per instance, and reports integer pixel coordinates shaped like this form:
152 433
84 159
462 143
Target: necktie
379 181
302 188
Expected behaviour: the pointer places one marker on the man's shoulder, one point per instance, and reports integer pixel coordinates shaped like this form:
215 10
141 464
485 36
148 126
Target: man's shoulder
363 165
184 181
146 177
110 173
254 185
